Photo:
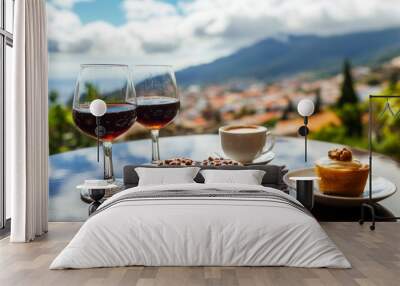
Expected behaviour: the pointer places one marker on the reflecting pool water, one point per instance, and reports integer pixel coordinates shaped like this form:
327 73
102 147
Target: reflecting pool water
67 170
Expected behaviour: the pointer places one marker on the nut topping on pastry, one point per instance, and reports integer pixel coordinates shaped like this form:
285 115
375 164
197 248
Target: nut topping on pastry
343 155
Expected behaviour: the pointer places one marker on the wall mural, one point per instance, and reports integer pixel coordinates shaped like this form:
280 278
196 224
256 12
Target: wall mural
236 62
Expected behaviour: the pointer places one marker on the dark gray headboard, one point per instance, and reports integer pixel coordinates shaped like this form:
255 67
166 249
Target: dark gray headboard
273 174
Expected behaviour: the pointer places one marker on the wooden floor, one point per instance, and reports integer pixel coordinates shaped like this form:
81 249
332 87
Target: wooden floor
375 257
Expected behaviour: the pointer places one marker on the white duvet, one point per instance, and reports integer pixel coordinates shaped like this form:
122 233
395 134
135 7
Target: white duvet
204 231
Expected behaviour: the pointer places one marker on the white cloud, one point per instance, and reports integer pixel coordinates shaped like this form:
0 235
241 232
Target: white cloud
62 25
139 10
201 30
68 4
235 19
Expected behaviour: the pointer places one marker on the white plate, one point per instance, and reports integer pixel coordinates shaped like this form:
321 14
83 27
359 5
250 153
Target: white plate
262 160
381 189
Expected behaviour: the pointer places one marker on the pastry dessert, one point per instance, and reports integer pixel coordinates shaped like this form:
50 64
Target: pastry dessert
341 174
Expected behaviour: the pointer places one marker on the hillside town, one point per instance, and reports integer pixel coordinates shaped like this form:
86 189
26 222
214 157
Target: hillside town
204 109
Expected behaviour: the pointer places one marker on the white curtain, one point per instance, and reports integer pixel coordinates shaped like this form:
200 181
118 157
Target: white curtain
27 125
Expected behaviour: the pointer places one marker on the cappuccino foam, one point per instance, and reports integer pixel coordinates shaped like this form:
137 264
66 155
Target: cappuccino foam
243 130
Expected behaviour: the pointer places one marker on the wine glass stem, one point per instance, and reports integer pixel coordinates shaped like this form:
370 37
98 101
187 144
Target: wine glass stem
108 164
155 149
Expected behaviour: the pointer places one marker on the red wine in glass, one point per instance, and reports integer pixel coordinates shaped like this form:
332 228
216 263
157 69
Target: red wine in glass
156 112
116 121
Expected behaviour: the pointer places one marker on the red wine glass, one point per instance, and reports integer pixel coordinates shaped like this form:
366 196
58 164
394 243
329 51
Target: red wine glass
112 84
157 100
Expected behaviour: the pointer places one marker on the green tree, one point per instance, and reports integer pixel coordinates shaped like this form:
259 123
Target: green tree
348 94
318 101
91 92
386 127
347 107
288 110
394 78
350 115
63 134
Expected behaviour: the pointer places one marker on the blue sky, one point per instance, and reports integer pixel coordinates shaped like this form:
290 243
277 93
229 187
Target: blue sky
104 10
189 32
101 10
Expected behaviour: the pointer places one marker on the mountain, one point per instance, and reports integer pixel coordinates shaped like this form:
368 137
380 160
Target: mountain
271 59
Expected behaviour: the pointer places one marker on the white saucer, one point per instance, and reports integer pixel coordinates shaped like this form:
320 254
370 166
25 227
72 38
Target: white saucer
381 189
94 187
262 160
110 189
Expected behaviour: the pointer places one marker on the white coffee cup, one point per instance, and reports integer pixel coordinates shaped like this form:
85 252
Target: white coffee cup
244 143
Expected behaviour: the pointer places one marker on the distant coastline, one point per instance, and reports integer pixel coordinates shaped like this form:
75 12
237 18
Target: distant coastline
63 87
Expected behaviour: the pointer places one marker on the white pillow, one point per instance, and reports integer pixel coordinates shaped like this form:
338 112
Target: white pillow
166 176
247 177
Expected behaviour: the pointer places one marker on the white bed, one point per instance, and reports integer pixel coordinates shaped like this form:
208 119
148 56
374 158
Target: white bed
238 228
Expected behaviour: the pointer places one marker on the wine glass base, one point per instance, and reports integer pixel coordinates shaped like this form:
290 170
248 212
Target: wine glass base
114 187
118 185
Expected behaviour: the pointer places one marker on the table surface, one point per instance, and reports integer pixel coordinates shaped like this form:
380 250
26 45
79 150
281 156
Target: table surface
67 170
